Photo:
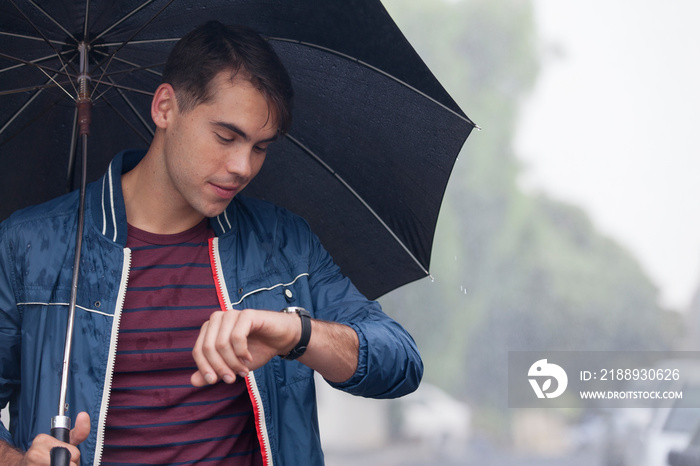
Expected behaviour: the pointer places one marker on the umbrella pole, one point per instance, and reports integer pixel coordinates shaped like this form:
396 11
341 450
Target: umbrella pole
61 424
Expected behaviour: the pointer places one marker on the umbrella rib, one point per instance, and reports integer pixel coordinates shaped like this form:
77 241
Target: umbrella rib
30 63
111 84
38 31
48 85
71 155
113 54
139 42
21 109
46 40
360 62
38 39
85 23
34 62
135 66
136 112
127 16
51 78
50 19
131 106
119 114
359 198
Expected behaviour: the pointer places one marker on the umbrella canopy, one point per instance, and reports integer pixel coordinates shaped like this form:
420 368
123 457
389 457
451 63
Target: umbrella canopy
373 139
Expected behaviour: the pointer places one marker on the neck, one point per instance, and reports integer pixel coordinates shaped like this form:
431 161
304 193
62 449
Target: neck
149 206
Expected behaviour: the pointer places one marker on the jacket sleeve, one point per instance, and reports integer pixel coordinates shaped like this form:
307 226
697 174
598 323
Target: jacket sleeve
9 332
389 363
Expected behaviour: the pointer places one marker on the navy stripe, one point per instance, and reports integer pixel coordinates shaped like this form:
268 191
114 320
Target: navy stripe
163 246
178 444
148 387
179 405
179 423
155 351
232 455
149 330
170 308
156 371
172 266
169 287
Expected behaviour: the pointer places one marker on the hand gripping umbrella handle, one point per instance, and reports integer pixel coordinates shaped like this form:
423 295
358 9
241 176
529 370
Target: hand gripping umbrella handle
60 430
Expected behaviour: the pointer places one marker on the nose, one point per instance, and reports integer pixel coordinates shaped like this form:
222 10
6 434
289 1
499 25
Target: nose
240 162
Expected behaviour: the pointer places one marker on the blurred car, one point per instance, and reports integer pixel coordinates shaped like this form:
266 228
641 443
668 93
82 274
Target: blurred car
672 428
674 421
433 416
690 455
646 436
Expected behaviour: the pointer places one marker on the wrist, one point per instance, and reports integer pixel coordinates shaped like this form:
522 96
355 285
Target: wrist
305 333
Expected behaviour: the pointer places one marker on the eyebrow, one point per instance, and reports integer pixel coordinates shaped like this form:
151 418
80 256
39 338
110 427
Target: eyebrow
240 132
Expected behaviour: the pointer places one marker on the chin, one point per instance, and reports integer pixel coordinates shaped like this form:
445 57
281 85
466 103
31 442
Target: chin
214 211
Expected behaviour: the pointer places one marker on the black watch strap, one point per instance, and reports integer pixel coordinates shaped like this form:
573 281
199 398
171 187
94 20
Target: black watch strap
300 347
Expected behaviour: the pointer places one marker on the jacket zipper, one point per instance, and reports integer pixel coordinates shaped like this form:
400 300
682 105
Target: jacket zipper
99 446
251 383
261 426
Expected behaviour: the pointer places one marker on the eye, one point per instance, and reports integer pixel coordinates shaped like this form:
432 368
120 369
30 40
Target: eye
224 140
260 149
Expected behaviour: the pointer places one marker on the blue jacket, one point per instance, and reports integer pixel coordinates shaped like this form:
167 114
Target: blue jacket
264 258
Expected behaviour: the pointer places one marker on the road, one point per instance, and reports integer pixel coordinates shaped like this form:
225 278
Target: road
407 454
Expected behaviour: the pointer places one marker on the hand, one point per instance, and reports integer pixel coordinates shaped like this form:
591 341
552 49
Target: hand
235 342
39 453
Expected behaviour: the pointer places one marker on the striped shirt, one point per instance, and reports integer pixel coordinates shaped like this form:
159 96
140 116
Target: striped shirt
155 415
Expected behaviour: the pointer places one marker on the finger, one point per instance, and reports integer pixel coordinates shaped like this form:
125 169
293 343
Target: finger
225 361
75 458
39 452
217 359
81 430
197 379
205 374
239 339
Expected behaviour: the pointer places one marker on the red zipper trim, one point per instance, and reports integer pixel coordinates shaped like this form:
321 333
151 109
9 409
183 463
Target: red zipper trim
217 274
258 421
257 411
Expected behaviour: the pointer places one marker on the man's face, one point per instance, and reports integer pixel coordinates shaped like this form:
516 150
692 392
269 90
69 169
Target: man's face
214 150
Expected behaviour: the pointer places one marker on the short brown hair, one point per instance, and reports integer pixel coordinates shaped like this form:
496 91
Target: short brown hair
214 47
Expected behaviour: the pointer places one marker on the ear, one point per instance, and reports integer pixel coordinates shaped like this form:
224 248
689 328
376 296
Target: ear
163 105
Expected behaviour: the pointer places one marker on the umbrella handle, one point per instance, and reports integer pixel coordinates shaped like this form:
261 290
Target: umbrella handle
60 430
60 456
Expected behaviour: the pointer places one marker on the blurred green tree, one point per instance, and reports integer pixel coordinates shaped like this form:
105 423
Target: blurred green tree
513 270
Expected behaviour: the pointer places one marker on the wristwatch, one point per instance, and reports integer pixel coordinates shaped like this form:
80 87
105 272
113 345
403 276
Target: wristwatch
300 347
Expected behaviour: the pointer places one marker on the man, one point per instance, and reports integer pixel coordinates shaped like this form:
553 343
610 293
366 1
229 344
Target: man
180 354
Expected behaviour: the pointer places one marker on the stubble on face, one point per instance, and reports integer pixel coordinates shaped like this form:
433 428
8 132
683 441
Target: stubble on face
208 154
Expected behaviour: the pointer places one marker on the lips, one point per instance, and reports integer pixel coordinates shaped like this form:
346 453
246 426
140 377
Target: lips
225 192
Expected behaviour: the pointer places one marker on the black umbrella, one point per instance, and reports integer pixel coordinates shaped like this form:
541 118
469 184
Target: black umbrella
373 139
372 144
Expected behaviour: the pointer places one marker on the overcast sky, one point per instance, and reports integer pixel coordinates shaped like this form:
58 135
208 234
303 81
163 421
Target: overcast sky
611 127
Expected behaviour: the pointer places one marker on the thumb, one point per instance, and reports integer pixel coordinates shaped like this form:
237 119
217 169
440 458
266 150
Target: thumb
81 430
